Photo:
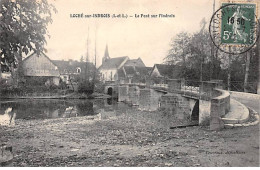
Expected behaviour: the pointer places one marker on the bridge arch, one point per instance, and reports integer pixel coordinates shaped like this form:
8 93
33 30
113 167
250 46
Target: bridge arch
110 91
195 112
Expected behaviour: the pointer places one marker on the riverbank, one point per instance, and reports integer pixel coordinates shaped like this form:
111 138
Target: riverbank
72 95
135 138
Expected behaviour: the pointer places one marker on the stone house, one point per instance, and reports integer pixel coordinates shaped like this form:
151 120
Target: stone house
41 66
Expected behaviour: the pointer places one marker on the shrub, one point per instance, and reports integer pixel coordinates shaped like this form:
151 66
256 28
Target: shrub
85 87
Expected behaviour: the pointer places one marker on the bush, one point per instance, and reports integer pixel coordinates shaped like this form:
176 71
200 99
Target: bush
86 87
99 87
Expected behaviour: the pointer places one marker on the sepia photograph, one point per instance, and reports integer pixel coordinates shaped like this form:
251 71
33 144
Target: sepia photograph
129 83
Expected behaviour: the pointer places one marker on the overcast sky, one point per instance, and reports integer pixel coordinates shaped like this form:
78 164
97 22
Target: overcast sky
147 38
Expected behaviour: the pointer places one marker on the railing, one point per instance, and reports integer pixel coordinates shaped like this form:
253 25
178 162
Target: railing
195 89
192 86
160 85
239 86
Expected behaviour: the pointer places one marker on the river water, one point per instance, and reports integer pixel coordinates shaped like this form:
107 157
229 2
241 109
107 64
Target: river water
29 109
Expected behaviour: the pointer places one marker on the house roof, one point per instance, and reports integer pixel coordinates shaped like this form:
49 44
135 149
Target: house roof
71 66
170 71
121 73
143 71
129 70
113 63
135 62
36 54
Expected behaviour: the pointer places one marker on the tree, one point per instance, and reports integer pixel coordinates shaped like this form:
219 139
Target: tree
179 50
23 29
192 53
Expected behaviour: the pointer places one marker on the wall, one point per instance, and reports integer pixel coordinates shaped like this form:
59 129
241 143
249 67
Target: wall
149 99
204 112
123 93
155 72
220 106
106 74
178 106
144 99
134 93
39 66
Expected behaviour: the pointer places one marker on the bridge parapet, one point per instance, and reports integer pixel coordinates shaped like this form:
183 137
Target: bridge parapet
220 106
195 89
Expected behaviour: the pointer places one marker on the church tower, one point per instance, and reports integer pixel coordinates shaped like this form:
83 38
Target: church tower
106 55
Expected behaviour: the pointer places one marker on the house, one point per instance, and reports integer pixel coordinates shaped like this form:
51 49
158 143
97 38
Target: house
132 74
118 69
161 73
110 66
41 66
71 71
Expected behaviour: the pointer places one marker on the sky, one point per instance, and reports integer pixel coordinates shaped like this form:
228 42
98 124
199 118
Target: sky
147 38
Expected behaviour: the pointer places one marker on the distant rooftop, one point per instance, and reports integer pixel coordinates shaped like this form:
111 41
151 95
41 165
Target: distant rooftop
113 63
170 71
135 62
71 65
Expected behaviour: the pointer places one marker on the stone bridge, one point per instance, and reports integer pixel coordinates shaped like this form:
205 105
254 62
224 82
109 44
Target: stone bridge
203 103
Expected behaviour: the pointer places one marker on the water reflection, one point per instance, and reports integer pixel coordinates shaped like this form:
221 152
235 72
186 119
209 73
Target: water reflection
8 118
49 109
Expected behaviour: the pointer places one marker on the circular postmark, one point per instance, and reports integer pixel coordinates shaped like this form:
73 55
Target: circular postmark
234 28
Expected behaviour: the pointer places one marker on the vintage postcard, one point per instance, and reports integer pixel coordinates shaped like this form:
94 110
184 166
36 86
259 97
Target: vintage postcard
129 83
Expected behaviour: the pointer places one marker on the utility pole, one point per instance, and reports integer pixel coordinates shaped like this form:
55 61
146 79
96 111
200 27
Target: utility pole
258 51
87 58
229 68
212 50
247 70
0 70
95 60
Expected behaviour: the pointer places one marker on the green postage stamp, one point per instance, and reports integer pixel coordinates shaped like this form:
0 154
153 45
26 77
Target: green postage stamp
234 27
238 23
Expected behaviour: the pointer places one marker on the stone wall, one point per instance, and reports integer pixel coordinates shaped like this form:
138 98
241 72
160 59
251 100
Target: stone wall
176 105
134 93
149 99
144 99
204 112
219 107
123 93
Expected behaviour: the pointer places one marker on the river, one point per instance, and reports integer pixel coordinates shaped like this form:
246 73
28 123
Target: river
29 109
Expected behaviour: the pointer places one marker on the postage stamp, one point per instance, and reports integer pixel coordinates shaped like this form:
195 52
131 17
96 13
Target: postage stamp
234 26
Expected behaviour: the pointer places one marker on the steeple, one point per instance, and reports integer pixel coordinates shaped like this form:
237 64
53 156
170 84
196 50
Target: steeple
106 55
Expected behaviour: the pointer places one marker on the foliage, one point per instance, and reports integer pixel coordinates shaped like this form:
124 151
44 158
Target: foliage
86 87
180 50
99 87
199 61
23 28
